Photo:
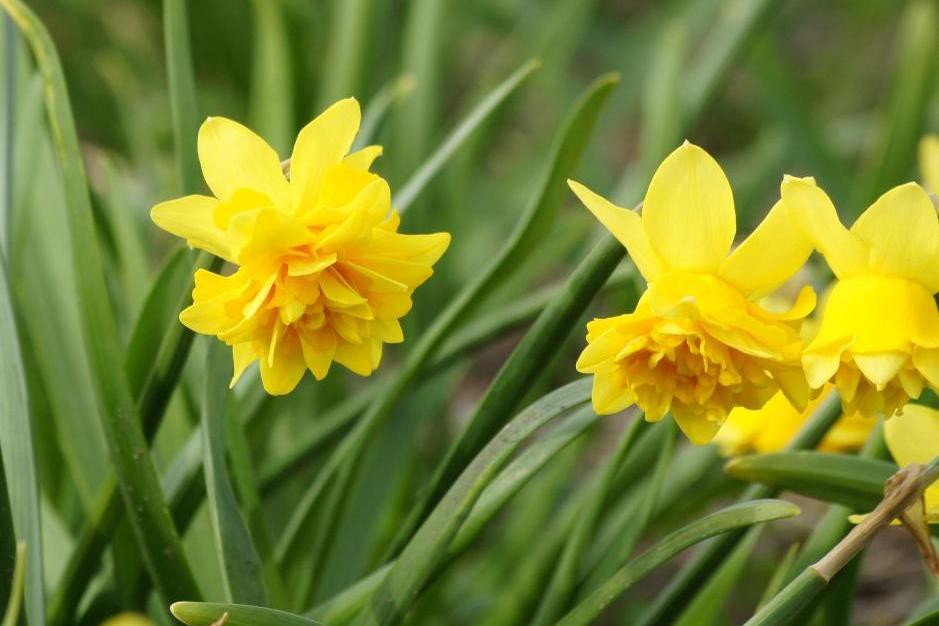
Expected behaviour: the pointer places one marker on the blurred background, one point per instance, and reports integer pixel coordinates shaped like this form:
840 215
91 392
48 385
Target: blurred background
840 90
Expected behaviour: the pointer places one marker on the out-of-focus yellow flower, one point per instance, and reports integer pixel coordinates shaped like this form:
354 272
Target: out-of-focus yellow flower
879 335
913 437
698 344
929 162
771 428
127 619
322 273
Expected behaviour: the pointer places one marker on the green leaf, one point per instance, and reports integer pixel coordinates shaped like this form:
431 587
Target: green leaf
337 470
209 613
556 321
790 601
407 193
377 108
907 100
711 599
780 574
850 480
423 553
137 477
737 516
671 600
7 131
183 102
560 591
11 615
19 462
345 54
271 103
241 567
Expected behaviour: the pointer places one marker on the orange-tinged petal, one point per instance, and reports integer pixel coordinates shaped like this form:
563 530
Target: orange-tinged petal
233 157
626 226
688 211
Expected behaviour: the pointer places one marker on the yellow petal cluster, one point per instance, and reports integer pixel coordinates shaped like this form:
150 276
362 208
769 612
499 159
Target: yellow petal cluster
699 343
771 428
878 340
322 273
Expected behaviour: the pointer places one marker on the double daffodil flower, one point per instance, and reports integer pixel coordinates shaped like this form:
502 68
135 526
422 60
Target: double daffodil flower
322 273
698 343
879 335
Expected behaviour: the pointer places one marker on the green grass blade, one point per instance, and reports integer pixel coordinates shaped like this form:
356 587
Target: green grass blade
850 480
560 591
11 615
182 85
527 233
137 477
212 613
242 573
423 553
271 104
737 516
709 603
19 463
556 320
377 108
345 55
407 193
675 596
8 112
778 579
790 601
8 544
908 97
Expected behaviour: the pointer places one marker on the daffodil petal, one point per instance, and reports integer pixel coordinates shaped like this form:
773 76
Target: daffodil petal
901 229
362 159
281 375
926 360
812 211
626 226
191 217
769 256
233 157
321 144
913 437
880 369
688 211
243 355
699 430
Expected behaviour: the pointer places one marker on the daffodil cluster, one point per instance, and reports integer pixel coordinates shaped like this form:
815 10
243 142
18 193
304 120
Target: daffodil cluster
321 272
702 343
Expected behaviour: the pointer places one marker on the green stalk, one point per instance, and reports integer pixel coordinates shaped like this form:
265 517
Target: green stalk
137 478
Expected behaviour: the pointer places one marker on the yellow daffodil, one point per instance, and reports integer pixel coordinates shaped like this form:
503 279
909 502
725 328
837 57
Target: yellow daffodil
698 343
771 428
913 437
322 273
879 335
929 162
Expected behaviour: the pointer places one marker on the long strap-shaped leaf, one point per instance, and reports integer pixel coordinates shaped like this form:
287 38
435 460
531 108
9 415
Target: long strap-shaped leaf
850 480
212 613
530 228
242 574
19 463
150 518
423 553
736 516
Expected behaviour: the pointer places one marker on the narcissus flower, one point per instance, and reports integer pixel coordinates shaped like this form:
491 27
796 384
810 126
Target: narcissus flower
698 343
322 272
913 437
879 335
128 619
771 428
